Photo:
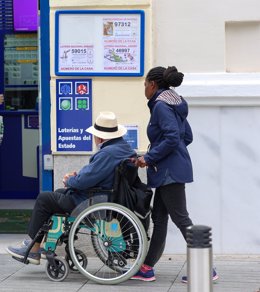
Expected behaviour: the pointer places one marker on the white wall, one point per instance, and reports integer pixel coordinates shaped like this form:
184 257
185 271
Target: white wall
191 34
242 46
225 191
198 37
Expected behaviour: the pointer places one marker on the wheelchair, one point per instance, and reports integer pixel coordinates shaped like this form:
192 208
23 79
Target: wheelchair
104 241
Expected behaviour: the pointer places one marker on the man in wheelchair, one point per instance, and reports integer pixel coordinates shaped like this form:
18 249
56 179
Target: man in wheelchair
99 173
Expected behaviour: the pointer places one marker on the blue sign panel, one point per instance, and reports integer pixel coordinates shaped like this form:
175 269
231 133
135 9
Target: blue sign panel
74 114
132 136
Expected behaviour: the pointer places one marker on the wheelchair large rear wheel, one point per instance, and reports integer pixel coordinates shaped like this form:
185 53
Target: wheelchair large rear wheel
112 239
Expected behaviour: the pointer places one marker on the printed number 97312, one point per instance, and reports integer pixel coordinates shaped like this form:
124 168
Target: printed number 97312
122 23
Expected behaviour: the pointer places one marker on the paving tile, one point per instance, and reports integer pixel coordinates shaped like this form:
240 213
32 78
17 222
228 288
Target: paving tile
237 274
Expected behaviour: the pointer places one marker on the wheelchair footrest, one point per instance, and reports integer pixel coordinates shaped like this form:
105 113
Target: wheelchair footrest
21 260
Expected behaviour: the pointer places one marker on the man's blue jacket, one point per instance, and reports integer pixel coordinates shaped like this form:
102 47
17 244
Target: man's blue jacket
100 172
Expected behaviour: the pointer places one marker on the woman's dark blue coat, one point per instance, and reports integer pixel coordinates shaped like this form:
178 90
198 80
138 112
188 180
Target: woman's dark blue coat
169 134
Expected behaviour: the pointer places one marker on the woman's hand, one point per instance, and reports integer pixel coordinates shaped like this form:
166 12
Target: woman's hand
141 162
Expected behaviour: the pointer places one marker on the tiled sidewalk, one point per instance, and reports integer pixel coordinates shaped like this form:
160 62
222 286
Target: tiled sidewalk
240 273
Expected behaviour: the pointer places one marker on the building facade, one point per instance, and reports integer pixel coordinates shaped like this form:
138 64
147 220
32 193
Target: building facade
216 45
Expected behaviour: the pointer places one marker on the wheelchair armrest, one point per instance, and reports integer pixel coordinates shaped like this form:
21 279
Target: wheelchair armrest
61 214
91 192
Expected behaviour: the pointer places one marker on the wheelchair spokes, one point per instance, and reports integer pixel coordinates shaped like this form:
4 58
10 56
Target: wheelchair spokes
113 241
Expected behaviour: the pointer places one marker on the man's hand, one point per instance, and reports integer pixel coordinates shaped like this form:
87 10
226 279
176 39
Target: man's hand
67 176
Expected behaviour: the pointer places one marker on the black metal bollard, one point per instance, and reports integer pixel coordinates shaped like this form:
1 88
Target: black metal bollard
199 259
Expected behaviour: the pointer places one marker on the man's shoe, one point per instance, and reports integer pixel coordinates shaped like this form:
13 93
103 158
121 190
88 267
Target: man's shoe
184 279
147 276
19 252
26 242
42 251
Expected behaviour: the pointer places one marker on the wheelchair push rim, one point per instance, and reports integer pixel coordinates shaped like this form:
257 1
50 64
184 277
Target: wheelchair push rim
112 239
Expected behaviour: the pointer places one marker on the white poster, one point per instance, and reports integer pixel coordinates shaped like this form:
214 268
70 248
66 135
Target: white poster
121 44
99 44
76 57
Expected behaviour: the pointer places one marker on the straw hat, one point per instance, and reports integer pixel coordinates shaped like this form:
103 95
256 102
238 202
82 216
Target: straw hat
106 127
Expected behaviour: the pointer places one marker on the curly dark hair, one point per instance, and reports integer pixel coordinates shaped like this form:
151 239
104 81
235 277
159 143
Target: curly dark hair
165 78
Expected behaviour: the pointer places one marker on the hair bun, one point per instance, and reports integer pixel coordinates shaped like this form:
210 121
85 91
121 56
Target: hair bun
173 77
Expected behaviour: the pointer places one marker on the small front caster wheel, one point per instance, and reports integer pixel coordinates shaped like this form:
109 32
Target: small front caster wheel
82 260
59 271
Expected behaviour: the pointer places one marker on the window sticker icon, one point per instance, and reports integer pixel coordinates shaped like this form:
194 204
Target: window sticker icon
65 103
82 103
81 88
65 88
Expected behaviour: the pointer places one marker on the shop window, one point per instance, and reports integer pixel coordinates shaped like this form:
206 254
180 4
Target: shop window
242 46
21 71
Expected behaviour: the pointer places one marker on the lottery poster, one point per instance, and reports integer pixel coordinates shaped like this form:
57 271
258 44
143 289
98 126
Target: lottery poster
111 44
121 44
